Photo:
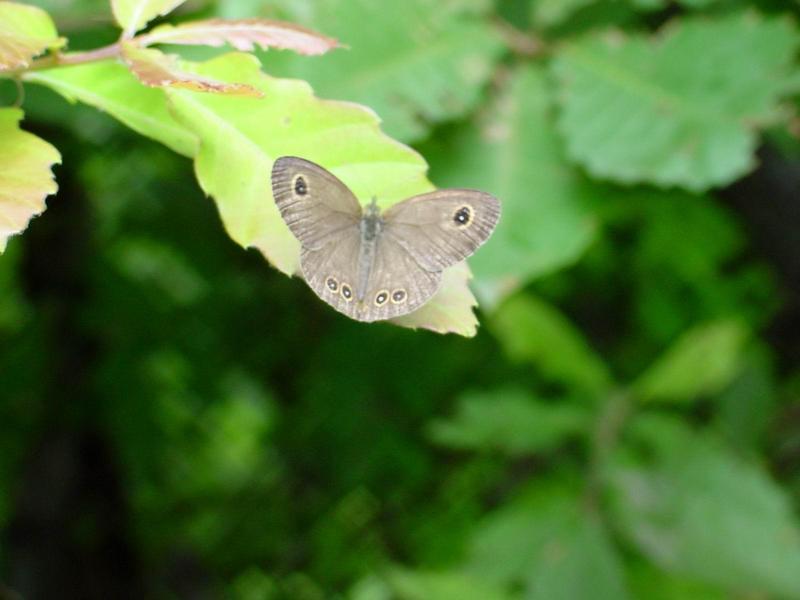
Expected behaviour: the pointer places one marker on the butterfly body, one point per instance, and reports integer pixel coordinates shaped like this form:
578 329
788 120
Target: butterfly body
370 227
373 265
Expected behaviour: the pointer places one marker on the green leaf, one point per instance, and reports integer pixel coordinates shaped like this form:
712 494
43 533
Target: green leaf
698 510
533 331
746 408
441 585
241 137
25 32
547 541
415 63
110 87
701 362
26 178
133 15
551 13
646 581
515 154
511 421
547 13
680 110
578 563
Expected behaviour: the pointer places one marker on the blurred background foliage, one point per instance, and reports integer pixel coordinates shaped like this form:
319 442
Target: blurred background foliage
178 420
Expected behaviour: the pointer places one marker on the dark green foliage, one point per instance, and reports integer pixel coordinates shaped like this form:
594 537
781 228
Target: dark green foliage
178 419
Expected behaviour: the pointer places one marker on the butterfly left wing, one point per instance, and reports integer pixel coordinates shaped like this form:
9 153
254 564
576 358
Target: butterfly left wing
441 228
331 271
313 202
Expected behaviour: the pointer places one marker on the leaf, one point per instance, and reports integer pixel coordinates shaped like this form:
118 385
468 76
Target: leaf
547 13
112 88
242 34
533 331
241 137
442 585
450 310
515 154
698 510
680 110
416 63
509 420
155 69
25 32
701 362
682 281
133 15
579 563
547 541
26 178
646 581
746 408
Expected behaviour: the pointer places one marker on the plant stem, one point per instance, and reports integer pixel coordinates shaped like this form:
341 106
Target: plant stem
58 59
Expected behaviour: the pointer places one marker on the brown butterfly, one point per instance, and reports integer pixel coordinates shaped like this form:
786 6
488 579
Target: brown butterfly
371 265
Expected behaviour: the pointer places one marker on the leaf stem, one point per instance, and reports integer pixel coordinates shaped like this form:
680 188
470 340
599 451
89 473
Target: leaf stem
58 59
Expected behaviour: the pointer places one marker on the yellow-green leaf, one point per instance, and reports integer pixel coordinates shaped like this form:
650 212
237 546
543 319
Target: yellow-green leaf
25 32
133 15
450 311
26 178
241 137
112 88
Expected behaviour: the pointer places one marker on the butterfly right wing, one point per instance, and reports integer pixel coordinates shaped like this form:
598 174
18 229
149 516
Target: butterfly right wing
313 202
443 227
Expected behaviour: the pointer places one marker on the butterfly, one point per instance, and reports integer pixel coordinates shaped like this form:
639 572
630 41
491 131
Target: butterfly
373 265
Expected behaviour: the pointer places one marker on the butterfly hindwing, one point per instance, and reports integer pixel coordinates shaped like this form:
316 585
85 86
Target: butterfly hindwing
397 284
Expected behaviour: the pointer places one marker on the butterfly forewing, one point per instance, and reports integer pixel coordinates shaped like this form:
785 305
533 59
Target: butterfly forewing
313 202
444 227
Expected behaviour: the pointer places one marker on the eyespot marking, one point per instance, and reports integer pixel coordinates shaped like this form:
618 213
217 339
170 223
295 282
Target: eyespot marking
299 185
463 216
332 284
399 296
346 292
381 297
